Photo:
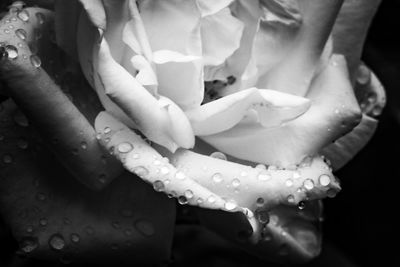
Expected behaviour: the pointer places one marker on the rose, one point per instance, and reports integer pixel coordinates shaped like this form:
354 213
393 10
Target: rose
146 77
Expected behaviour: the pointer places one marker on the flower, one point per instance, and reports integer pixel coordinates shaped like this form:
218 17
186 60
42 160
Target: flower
257 80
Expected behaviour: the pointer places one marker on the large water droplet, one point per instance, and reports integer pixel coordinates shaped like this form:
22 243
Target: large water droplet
235 182
218 155
12 51
182 200
145 227
230 205
217 177
308 184
260 202
57 242
21 34
29 244
75 238
189 194
158 186
324 180
23 15
141 171
35 61
125 147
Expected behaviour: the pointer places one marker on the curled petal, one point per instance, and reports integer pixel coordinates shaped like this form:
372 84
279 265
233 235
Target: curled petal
210 7
272 109
152 119
334 112
95 11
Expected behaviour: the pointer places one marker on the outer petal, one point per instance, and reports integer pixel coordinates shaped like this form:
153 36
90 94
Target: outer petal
175 25
334 112
272 108
210 7
156 121
351 29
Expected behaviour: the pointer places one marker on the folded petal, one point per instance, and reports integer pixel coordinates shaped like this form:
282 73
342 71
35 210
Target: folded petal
154 120
95 11
271 107
175 26
210 7
333 113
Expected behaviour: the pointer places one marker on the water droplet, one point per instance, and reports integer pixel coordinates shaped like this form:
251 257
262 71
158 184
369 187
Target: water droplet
260 202
41 196
7 31
263 176
12 51
308 184
377 111
306 162
23 15
230 205
135 156
102 178
22 143
29 229
301 205
7 159
217 177
218 155
40 17
165 170
200 201
89 230
182 200
141 171
157 162
291 199
57 242
84 145
235 182
262 216
189 194
145 227
125 147
98 136
43 222
289 182
35 61
158 186
180 175
211 199
296 175
261 167
107 130
75 238
324 180
29 244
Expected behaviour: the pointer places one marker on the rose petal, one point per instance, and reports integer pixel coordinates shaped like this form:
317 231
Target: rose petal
273 108
334 112
210 7
351 28
95 11
153 120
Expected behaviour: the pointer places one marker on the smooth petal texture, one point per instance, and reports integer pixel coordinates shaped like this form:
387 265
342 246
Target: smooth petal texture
174 25
334 112
351 28
346 148
166 56
52 217
95 11
220 34
272 108
152 119
210 7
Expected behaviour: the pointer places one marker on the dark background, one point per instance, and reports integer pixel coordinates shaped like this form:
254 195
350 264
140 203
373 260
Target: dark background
361 225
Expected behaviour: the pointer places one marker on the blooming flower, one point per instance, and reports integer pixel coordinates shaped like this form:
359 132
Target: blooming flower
260 81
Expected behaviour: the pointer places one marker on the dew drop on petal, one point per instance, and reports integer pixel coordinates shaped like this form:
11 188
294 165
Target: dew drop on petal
262 216
57 242
75 238
40 17
36 61
260 202
230 205
22 144
145 227
84 145
308 184
43 222
264 176
7 159
29 229
211 199
217 177
29 244
158 186
301 205
165 170
135 156
125 147
218 155
200 201
182 200
290 199
289 182
261 167
102 178
296 175
235 182
12 51
157 162
324 180
23 15
89 230
21 34
189 194
140 171
331 193
107 130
